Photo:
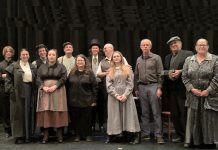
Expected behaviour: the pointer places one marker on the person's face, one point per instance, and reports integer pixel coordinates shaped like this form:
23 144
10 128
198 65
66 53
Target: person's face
175 46
8 54
52 56
42 52
68 49
117 58
80 62
95 50
202 46
108 50
145 46
24 56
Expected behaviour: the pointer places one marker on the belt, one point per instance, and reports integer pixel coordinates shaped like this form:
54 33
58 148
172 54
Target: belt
146 83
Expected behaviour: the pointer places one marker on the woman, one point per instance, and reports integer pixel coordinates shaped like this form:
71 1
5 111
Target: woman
122 114
200 76
52 103
8 53
82 97
20 82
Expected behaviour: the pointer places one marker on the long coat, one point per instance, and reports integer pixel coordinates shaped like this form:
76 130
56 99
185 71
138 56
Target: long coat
14 84
122 116
203 111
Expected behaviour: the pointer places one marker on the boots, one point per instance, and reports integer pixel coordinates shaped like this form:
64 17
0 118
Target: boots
136 139
59 135
45 138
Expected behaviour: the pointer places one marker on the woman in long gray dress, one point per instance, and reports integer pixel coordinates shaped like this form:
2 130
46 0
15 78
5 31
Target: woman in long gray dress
122 114
200 76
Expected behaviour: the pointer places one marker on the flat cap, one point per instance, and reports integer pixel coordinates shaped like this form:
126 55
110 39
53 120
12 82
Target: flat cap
174 38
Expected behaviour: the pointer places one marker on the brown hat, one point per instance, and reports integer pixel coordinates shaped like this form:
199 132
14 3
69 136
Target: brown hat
67 43
174 38
94 42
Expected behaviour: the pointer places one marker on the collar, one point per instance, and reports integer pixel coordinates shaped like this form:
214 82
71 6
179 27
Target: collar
150 55
208 57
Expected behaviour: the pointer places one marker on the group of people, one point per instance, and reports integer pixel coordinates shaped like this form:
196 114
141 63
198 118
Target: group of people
67 91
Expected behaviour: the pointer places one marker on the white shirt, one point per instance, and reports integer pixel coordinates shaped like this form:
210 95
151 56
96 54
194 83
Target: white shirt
27 75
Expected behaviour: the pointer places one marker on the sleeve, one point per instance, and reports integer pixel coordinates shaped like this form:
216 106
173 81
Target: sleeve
129 84
63 72
185 78
110 87
9 79
136 76
39 81
94 87
213 87
159 72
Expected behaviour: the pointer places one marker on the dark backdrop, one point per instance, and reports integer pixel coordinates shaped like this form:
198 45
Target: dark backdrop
25 23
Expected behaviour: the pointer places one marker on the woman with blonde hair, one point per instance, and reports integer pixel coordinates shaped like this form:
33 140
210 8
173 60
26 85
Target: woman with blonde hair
122 113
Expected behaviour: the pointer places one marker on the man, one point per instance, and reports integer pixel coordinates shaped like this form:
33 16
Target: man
8 53
41 50
148 84
95 58
173 69
67 60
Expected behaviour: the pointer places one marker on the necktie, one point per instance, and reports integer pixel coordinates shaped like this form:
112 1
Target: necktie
95 60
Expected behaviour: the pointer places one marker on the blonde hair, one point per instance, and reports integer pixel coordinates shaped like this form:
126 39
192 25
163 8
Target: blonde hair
124 68
7 48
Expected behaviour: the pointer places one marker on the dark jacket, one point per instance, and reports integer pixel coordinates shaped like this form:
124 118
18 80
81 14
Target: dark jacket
3 64
176 65
14 85
82 88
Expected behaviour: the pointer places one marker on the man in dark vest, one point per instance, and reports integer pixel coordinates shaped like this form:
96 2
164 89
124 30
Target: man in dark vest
177 93
41 51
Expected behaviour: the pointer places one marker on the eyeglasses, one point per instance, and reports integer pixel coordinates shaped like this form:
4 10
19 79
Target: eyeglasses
201 45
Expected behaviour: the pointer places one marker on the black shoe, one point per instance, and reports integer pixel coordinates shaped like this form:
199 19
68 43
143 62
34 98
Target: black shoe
88 139
77 139
108 139
19 141
7 135
136 139
44 141
27 141
177 140
186 145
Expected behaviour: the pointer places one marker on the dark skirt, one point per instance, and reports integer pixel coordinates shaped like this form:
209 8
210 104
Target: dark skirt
202 125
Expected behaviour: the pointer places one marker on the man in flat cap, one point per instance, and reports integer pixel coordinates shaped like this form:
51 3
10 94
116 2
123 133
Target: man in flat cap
172 74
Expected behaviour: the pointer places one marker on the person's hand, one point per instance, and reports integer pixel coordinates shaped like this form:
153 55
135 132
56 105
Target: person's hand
204 93
158 92
45 89
123 98
119 98
93 104
176 73
196 92
52 88
4 75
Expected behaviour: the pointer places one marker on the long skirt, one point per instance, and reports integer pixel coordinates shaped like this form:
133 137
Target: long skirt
52 107
202 125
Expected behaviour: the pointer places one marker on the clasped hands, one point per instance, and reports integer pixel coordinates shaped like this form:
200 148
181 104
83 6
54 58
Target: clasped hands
49 89
201 93
121 98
